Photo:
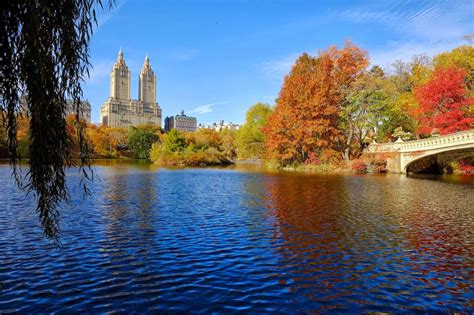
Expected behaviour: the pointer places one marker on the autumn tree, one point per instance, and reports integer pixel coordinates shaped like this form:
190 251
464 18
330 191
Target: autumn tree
203 139
306 117
405 78
444 103
460 57
250 138
228 142
107 141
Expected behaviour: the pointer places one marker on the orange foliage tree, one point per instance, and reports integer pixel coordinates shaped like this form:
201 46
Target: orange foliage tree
106 141
306 117
444 103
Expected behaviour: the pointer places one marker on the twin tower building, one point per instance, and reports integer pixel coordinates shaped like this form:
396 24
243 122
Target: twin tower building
119 110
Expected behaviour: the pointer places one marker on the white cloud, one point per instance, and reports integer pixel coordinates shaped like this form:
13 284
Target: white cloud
429 20
278 68
105 14
204 109
100 71
405 51
101 68
425 27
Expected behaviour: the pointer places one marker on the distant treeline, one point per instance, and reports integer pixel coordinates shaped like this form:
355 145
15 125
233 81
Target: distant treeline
330 107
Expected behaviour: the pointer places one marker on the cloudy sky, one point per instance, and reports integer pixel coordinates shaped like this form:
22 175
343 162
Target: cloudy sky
216 58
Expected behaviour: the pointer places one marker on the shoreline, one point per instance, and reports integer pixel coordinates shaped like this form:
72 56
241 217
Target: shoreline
264 165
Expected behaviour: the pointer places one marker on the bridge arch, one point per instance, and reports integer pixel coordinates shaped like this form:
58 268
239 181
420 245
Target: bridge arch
441 157
403 154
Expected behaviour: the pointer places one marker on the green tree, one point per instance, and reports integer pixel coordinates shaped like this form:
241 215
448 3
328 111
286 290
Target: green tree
173 141
406 77
172 144
250 138
365 109
44 56
140 140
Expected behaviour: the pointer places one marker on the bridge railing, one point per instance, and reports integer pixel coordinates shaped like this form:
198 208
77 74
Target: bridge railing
461 137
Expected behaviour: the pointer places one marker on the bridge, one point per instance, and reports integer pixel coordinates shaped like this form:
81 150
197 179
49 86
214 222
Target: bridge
425 155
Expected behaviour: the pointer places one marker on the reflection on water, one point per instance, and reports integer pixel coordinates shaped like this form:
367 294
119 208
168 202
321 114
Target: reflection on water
242 239
388 238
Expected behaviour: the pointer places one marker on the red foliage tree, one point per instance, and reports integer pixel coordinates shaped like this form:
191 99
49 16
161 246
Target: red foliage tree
444 103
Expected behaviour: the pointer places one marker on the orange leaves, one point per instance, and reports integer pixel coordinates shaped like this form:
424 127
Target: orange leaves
306 117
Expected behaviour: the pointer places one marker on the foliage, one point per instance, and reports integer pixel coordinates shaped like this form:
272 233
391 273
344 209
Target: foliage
466 166
228 143
140 140
406 77
400 133
199 148
306 117
444 103
460 57
106 141
250 138
45 57
173 141
365 110
332 103
359 166
203 139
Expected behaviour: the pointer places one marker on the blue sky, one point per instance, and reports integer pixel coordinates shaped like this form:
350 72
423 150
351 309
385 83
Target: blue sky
214 59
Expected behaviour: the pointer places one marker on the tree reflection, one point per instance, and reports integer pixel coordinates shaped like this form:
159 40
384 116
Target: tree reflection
342 237
129 205
310 225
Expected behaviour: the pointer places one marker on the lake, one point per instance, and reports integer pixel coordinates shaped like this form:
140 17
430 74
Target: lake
242 239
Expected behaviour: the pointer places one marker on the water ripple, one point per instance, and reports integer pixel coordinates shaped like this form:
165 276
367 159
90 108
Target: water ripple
227 241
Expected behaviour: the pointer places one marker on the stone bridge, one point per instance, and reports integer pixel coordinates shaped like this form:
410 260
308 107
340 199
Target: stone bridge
426 155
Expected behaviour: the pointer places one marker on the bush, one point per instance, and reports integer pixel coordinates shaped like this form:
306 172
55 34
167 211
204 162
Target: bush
359 166
178 150
379 166
140 140
466 166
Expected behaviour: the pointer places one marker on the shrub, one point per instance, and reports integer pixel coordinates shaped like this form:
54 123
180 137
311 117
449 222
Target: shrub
140 141
466 166
359 166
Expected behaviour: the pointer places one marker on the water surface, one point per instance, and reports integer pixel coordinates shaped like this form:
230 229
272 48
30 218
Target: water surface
242 240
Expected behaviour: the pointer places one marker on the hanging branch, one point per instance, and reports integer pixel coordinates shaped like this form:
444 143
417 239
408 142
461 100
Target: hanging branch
44 59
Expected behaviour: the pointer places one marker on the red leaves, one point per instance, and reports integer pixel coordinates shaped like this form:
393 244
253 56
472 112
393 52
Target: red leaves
444 103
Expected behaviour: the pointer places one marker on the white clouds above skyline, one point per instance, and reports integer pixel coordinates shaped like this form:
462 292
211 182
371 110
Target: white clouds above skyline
104 14
204 109
426 27
203 51
278 68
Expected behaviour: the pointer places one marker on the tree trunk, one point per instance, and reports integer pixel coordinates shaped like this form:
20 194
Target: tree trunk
347 149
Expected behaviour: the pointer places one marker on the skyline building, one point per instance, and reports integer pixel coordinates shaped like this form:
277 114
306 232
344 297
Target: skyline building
181 122
120 110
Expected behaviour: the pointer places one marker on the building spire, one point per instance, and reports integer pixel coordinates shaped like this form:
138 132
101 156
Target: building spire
120 55
146 64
